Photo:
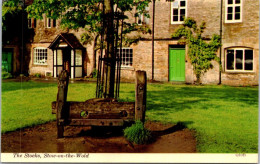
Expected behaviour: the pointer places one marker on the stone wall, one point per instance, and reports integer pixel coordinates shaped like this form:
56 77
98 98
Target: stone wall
244 34
41 69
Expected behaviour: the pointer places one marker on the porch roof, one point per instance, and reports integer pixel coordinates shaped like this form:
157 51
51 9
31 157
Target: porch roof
69 38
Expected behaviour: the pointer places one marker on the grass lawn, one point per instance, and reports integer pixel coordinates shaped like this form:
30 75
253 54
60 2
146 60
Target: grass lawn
225 118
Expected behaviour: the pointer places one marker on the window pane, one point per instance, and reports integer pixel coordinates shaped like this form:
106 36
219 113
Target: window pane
239 59
229 16
237 1
182 3
230 59
181 18
175 11
237 16
237 9
29 23
237 13
175 18
49 22
230 1
230 9
248 59
54 22
139 19
78 60
59 57
175 4
183 12
35 23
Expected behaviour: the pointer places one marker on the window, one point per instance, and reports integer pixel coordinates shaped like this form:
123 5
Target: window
50 23
239 59
142 18
32 23
54 23
233 11
126 57
178 11
40 56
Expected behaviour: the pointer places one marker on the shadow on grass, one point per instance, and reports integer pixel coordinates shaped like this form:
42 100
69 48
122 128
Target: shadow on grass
175 128
180 98
12 86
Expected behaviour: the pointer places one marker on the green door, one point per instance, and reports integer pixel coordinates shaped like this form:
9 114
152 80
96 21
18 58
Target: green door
7 59
177 64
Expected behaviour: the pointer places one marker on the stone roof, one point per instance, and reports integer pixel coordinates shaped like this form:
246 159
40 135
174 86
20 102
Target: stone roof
69 38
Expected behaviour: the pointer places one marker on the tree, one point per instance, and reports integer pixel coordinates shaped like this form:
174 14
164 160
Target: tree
97 17
11 20
15 31
200 52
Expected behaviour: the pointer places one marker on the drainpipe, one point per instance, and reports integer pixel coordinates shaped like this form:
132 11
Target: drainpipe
153 41
23 46
220 33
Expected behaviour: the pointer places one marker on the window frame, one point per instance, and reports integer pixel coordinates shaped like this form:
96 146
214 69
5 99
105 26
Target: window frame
233 5
32 22
130 65
36 57
144 20
179 11
243 60
48 23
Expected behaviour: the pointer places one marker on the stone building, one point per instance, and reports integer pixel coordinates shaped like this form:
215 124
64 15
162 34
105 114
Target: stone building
237 21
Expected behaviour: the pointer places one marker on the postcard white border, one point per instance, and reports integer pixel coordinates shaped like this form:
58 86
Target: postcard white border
134 158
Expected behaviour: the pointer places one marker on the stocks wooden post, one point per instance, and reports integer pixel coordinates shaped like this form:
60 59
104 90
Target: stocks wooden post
140 95
62 111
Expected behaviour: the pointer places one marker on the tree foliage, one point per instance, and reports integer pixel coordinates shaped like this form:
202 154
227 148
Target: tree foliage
89 15
11 20
200 52
10 8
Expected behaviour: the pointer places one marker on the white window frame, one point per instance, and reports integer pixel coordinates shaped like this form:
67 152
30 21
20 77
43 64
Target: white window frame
144 20
140 17
32 22
48 23
124 62
233 5
179 11
40 52
243 61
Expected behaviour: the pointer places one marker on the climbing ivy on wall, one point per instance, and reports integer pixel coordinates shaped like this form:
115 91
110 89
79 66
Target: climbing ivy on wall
200 51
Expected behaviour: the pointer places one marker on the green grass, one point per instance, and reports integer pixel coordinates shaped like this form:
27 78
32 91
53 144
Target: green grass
224 118
29 103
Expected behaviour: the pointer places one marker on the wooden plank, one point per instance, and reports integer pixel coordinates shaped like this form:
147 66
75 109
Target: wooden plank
96 122
99 110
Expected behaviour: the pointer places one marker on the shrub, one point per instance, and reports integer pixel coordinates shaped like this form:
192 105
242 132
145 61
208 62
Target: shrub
6 75
94 73
137 133
37 75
